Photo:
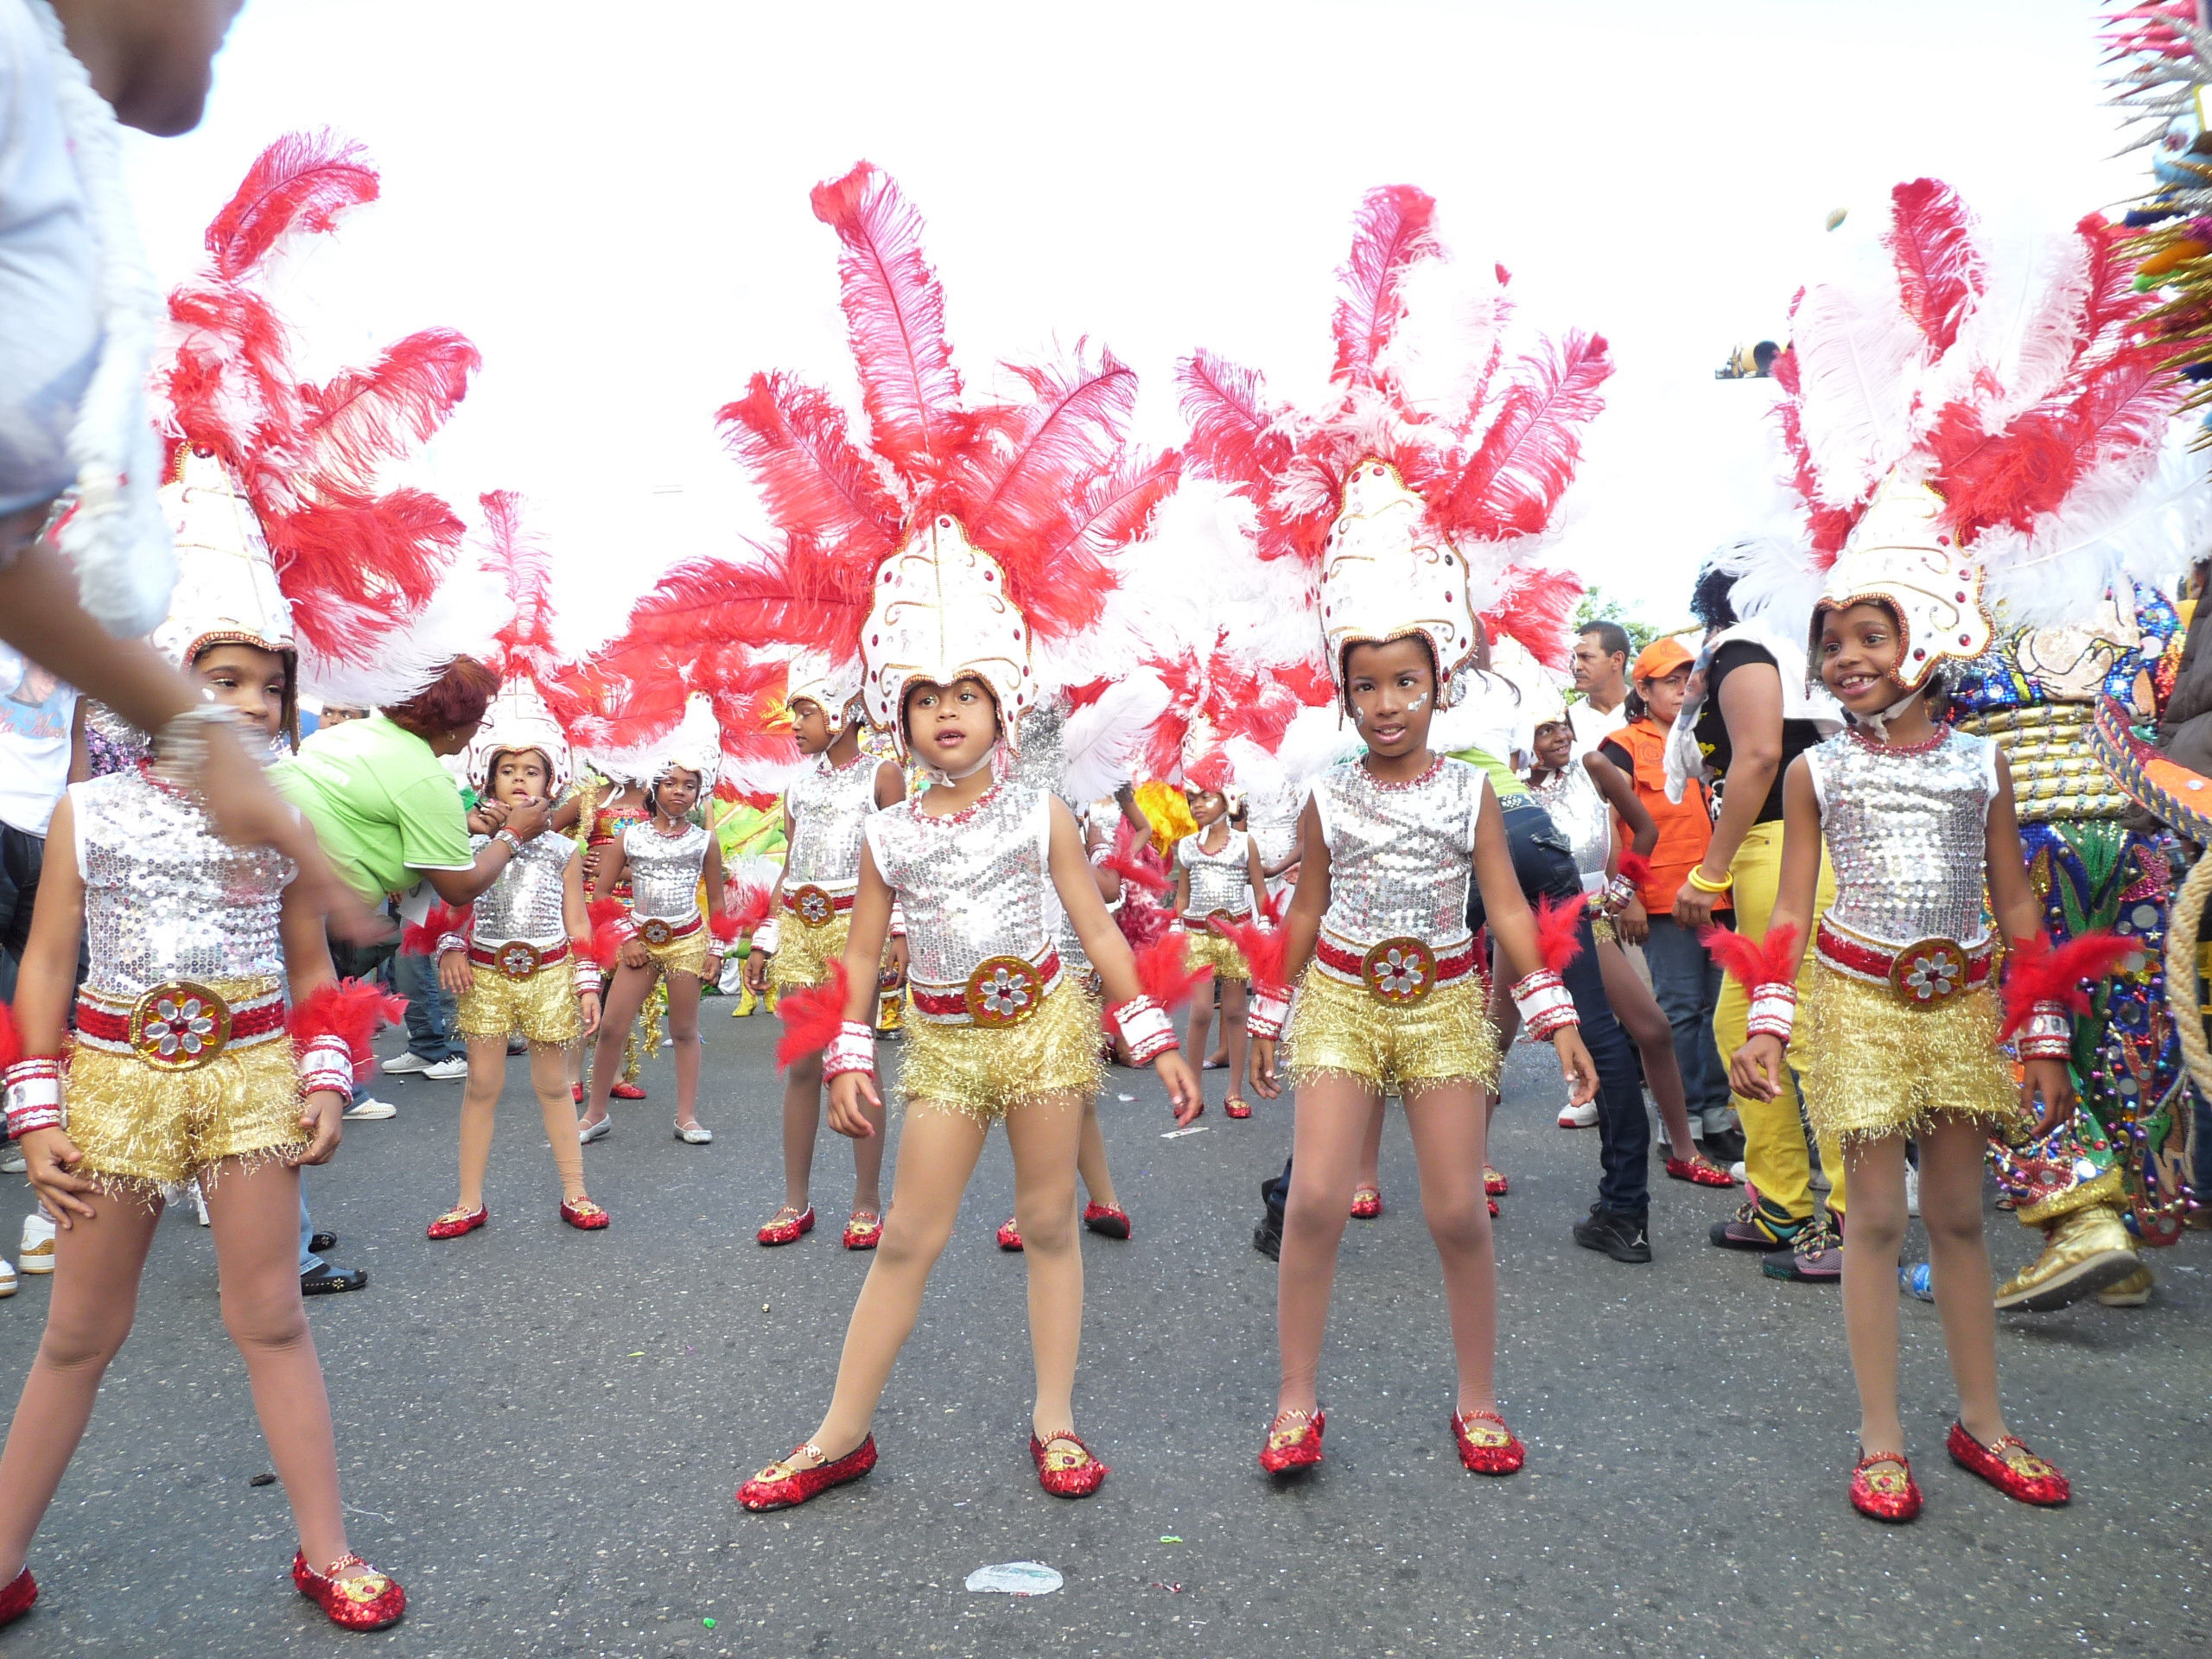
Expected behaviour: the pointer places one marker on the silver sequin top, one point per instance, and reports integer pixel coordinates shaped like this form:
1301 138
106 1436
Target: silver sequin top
526 902
973 885
1582 815
1401 855
164 897
828 806
665 870
1220 881
1071 951
1907 833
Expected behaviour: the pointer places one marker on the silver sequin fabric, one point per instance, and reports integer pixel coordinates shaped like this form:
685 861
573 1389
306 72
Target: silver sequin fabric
1907 833
1401 855
1580 813
165 898
829 806
972 886
526 902
1220 881
1042 762
665 870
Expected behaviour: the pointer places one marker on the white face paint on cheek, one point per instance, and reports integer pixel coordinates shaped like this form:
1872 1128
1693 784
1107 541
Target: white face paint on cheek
1420 701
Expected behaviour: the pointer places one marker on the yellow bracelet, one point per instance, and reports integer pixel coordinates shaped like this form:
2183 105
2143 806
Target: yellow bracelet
1697 880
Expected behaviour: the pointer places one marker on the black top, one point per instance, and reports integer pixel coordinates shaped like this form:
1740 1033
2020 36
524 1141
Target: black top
1797 735
1619 756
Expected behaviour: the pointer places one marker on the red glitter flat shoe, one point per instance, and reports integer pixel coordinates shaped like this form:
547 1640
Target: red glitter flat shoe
1238 1106
1487 1446
583 1215
1882 1488
1064 1473
576 1093
2010 1467
369 1601
1109 1219
15 1600
1493 1183
1010 1237
787 1226
780 1486
1493 1208
455 1223
1366 1204
628 1091
1699 1171
1294 1442
863 1230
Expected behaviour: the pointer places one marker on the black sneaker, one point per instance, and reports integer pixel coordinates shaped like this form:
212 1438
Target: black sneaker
1267 1237
1724 1146
1620 1237
333 1282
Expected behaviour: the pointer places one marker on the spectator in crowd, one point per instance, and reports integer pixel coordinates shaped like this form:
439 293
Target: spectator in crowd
1601 676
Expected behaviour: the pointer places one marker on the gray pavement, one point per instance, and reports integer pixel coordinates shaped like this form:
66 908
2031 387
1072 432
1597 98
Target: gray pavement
540 1430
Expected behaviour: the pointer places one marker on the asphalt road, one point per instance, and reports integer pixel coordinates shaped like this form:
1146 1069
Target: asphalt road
540 1430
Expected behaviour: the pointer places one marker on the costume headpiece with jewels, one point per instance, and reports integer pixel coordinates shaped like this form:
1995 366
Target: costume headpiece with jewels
833 687
695 745
263 466
967 538
1898 556
1415 513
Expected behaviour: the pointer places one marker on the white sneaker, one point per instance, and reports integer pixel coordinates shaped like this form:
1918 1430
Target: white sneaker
447 1071
14 1163
198 1200
369 1108
37 1250
7 1280
1578 1118
405 1061
1739 1173
1911 1191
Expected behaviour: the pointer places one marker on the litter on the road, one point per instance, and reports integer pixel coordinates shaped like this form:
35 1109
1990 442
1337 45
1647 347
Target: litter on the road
1016 1578
1195 1128
1169 1538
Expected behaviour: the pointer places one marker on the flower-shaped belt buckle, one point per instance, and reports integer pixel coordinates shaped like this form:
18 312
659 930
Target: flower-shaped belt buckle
1399 972
180 1025
656 931
517 960
1004 991
1929 972
813 906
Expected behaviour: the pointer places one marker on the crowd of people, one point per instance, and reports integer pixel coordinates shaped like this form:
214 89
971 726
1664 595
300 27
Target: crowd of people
1068 739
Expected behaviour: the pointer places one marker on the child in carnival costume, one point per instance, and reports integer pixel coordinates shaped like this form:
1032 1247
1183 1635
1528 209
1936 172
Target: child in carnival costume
1000 533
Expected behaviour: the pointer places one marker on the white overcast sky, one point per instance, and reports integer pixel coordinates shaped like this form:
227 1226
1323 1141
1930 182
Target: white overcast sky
612 201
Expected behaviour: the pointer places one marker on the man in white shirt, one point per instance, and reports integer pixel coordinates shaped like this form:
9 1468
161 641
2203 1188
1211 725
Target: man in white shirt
1601 676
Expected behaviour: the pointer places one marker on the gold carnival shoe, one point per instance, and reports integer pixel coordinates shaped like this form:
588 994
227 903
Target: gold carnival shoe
2083 1251
2131 1292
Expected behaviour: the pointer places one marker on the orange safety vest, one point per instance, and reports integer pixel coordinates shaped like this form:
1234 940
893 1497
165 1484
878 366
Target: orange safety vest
1685 826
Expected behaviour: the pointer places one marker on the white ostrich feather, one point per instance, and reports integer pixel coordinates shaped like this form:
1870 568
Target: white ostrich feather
1860 358
1100 743
459 620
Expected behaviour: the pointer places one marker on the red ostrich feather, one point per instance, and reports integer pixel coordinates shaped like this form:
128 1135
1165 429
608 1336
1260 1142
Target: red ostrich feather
1393 232
350 1009
303 182
1769 961
1234 438
817 484
812 1017
1534 609
1940 272
1262 949
1163 972
1528 457
421 939
2039 973
363 418
1558 932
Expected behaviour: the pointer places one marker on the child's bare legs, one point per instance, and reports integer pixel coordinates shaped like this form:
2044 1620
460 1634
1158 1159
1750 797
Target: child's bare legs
1090 1159
1044 1135
683 1030
1447 1127
1235 1041
626 994
802 1125
1331 1117
479 1104
1195 1042
1951 1209
549 1076
1371 1152
1870 1245
1644 1020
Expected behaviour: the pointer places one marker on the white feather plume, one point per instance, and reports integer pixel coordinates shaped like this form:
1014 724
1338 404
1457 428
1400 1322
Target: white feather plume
1100 743
459 620
1859 357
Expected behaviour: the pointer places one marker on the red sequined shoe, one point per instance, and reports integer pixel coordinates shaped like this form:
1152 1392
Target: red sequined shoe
1493 1208
1238 1106
2010 1467
576 1093
1699 1171
1010 1237
367 1601
1066 1467
780 1486
1487 1446
1882 1488
456 1222
628 1091
863 1230
1493 1183
787 1226
1109 1219
1366 1204
583 1215
15 1600
1294 1442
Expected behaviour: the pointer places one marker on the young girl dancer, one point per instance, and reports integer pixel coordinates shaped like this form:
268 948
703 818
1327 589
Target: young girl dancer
1917 817
522 963
825 811
665 936
1582 797
606 807
183 1068
1216 871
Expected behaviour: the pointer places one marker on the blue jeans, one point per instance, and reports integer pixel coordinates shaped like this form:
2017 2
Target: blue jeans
429 1008
1687 982
309 1262
1544 866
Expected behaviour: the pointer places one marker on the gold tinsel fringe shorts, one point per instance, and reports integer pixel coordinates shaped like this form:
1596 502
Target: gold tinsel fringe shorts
541 1008
1882 1067
1210 950
803 954
140 1128
1339 1030
986 1072
687 955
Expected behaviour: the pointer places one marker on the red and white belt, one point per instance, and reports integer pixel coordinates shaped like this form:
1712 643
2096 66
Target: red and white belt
1003 991
1396 972
1204 924
518 958
177 1025
817 906
659 930
1922 974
